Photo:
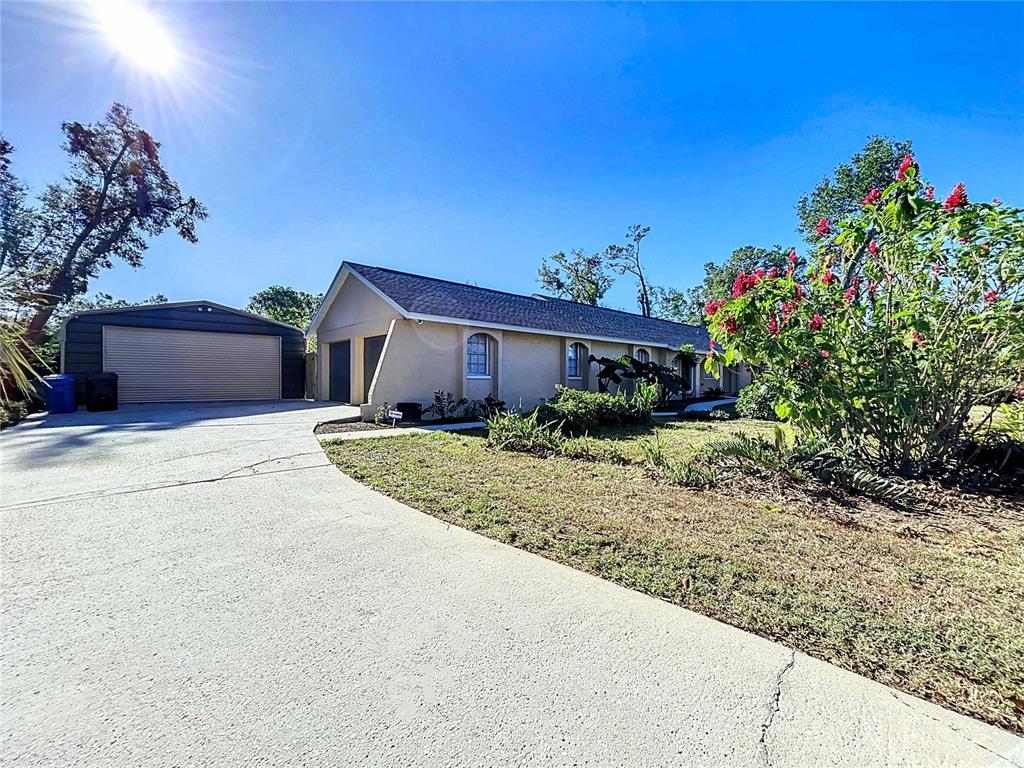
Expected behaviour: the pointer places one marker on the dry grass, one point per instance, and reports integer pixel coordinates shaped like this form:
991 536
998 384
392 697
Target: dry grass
932 604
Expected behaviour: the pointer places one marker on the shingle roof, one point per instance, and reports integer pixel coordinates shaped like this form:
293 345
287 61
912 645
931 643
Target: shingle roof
419 295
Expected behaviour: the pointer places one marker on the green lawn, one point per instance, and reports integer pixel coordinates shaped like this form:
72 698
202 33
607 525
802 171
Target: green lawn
932 604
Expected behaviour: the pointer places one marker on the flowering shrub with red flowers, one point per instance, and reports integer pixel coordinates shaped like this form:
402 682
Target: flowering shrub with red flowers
910 313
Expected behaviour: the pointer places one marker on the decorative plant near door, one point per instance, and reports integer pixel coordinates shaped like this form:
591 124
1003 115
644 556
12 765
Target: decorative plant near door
627 368
446 405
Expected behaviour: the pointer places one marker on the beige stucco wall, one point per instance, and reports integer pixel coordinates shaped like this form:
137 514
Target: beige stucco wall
531 366
422 357
356 313
418 359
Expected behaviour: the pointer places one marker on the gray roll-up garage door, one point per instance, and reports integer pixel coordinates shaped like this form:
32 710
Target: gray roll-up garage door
157 365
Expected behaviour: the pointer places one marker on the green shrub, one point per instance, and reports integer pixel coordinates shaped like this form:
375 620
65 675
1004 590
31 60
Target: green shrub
643 402
804 460
446 406
654 450
12 413
758 399
511 431
380 416
909 315
579 411
698 473
590 449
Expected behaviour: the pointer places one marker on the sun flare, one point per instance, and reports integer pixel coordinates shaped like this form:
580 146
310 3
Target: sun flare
136 35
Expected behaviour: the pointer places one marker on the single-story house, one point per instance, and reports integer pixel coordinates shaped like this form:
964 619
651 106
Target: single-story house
385 336
185 351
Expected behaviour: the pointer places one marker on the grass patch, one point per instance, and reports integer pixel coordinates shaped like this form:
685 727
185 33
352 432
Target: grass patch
932 604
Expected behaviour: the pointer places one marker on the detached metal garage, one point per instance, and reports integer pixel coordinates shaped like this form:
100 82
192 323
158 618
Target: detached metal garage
186 351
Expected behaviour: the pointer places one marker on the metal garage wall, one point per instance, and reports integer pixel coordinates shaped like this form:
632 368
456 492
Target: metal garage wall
159 365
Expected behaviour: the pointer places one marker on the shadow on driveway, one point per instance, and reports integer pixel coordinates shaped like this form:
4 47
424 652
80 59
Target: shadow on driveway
44 437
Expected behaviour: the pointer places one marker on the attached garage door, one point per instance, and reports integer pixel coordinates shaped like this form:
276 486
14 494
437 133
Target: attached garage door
157 365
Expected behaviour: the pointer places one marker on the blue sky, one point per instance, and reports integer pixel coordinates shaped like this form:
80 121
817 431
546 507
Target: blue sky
469 141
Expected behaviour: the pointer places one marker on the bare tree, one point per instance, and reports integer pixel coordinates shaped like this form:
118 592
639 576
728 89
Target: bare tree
626 259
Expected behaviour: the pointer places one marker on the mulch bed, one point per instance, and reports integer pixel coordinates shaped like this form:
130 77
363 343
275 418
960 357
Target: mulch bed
336 427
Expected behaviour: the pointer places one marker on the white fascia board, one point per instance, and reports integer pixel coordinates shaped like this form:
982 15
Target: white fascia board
344 272
540 331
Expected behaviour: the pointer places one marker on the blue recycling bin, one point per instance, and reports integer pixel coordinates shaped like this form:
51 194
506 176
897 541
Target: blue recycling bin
60 393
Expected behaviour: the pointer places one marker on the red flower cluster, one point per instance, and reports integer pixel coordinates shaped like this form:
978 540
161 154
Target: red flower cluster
773 325
798 292
788 308
772 273
817 322
990 298
744 283
828 278
936 269
710 355
918 340
996 201
850 294
713 306
825 354
823 228
731 325
873 247
905 165
930 193
957 198
792 256
873 196
872 289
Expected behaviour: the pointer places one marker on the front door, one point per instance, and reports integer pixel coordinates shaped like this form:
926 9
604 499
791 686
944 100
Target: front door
340 376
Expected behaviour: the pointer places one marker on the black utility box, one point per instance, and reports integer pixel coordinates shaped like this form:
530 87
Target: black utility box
101 392
411 411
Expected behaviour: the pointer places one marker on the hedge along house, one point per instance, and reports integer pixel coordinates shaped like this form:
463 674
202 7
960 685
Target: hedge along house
185 351
388 337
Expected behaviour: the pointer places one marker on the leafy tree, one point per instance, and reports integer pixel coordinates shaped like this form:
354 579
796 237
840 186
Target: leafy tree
718 280
576 275
911 314
625 259
286 305
834 199
670 304
48 346
116 196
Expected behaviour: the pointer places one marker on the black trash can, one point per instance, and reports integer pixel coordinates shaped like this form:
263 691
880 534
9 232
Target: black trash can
101 392
411 411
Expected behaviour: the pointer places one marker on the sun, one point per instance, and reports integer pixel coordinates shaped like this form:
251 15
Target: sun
136 35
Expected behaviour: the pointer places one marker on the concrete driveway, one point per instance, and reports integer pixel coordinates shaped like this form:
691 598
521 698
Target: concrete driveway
198 586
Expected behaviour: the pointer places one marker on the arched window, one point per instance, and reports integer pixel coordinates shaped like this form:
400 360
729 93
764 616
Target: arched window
643 356
576 363
478 356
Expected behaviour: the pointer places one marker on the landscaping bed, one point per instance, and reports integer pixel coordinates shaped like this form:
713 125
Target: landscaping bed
931 601
340 427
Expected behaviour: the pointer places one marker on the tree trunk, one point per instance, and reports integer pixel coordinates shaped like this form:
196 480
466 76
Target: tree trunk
34 331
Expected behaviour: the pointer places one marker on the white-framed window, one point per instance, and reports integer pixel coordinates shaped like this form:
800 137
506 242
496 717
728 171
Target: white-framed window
478 356
643 356
577 361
